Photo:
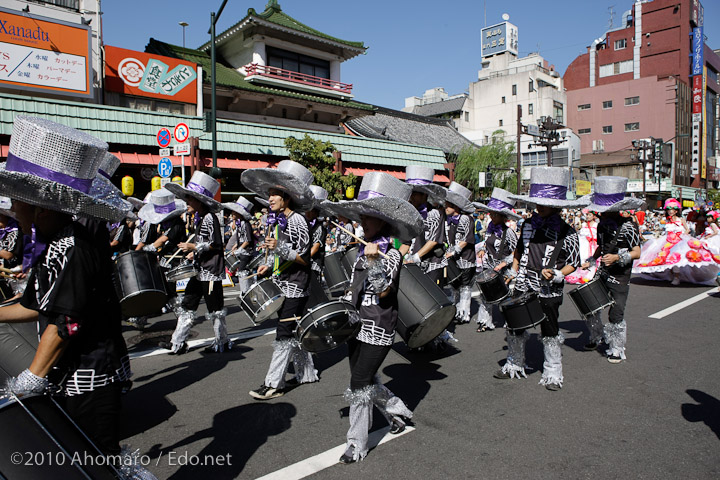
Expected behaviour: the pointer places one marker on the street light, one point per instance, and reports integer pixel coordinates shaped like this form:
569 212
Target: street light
183 25
215 172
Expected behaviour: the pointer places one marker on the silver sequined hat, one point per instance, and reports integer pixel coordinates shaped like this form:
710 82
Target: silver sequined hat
53 166
242 206
137 203
201 187
320 195
103 189
548 187
289 177
385 197
421 180
460 197
162 205
609 196
500 202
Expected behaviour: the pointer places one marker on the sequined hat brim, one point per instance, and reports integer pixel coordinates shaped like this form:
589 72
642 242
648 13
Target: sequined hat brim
237 209
183 194
550 202
505 211
627 203
149 214
261 180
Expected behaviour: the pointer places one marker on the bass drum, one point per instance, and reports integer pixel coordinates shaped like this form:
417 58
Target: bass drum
140 284
327 326
522 312
337 275
18 343
591 297
424 310
262 300
492 285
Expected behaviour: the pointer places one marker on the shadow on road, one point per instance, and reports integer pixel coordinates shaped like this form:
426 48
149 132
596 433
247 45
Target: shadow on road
707 410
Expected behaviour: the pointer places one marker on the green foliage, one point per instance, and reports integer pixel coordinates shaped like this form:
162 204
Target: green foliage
316 156
473 160
714 196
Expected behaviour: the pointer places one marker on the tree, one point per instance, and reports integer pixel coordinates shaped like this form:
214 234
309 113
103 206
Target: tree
498 154
316 156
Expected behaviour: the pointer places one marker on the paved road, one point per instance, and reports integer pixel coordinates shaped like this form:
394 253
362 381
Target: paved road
657 415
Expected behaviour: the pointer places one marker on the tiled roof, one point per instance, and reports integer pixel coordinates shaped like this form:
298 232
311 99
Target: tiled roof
228 77
125 126
440 108
274 14
404 127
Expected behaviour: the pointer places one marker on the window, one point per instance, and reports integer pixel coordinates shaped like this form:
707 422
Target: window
514 89
617 68
583 131
584 106
607 104
503 100
632 101
296 62
500 123
620 44
530 109
558 114
607 129
531 86
631 127
467 116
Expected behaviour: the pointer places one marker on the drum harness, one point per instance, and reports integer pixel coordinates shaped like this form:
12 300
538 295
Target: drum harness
613 249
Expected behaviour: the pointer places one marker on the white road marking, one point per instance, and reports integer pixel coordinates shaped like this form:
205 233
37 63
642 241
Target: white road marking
681 305
202 342
328 458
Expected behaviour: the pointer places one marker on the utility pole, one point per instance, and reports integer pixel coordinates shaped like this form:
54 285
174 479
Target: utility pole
519 156
215 172
550 137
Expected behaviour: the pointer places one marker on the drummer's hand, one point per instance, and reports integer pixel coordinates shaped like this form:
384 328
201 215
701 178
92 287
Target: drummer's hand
548 274
186 247
262 269
500 266
190 256
270 243
585 265
448 254
371 251
481 254
610 258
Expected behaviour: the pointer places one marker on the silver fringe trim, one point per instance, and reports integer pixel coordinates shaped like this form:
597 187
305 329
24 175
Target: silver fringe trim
243 281
463 305
201 248
595 327
515 364
552 367
390 405
361 414
131 465
284 251
220 328
365 395
282 353
182 330
304 366
616 337
376 275
484 316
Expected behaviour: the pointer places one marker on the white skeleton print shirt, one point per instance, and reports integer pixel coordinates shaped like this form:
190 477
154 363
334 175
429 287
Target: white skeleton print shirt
462 232
491 246
291 277
432 231
210 261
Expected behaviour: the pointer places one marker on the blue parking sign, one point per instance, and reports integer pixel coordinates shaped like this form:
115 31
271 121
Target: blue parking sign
165 167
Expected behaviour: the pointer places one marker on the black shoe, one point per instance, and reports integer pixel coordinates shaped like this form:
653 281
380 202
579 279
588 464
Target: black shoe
397 427
292 383
347 457
169 346
211 348
591 346
500 374
266 393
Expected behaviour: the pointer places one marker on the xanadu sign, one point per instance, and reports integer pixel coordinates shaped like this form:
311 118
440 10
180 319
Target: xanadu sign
142 74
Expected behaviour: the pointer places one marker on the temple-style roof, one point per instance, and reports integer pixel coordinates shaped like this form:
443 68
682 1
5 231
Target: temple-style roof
440 108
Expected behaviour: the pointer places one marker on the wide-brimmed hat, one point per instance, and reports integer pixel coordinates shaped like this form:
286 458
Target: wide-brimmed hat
137 203
609 195
262 201
242 206
53 166
500 202
385 197
320 195
549 187
289 177
421 180
103 189
162 205
201 187
460 197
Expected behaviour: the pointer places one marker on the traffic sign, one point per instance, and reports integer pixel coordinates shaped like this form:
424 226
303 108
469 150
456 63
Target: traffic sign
164 152
181 149
163 137
165 167
182 132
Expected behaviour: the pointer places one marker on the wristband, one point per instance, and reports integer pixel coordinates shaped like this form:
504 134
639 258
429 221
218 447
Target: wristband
559 277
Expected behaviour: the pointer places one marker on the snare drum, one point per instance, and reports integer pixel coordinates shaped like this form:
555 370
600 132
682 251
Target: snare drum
337 276
18 343
327 326
492 285
424 310
140 285
591 297
262 300
522 312
182 272
452 272
237 261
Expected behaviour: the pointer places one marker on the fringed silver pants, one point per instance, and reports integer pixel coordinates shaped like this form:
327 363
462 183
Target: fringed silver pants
243 281
220 327
515 364
361 415
283 352
616 337
390 405
595 327
463 304
552 367
484 316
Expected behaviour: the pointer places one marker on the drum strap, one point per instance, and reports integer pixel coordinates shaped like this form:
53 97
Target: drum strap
503 243
278 267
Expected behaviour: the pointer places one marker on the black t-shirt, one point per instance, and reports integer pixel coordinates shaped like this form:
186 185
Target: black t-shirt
124 237
628 238
174 229
148 233
71 287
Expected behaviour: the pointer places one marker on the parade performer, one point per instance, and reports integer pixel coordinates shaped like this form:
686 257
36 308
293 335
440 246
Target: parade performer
460 238
676 256
288 239
244 239
497 250
384 213
11 245
206 251
343 237
318 234
619 245
588 236
70 292
547 251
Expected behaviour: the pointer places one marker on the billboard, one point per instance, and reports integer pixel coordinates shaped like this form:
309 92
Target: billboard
146 75
698 13
43 54
698 44
499 38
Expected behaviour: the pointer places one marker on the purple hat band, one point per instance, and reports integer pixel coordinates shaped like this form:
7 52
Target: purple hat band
542 190
496 204
103 173
418 181
242 206
17 164
170 207
369 194
200 189
606 199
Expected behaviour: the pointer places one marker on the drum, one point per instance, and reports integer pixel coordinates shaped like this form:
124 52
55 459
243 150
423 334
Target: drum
522 312
186 270
18 343
452 272
41 441
424 310
236 261
591 297
337 275
492 285
316 293
140 285
253 264
262 300
327 326
349 259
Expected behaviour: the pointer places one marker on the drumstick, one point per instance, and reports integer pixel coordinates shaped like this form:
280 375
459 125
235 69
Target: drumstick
5 275
180 249
357 238
289 319
249 276
11 270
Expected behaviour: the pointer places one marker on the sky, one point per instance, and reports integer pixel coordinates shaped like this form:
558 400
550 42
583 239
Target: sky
413 45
